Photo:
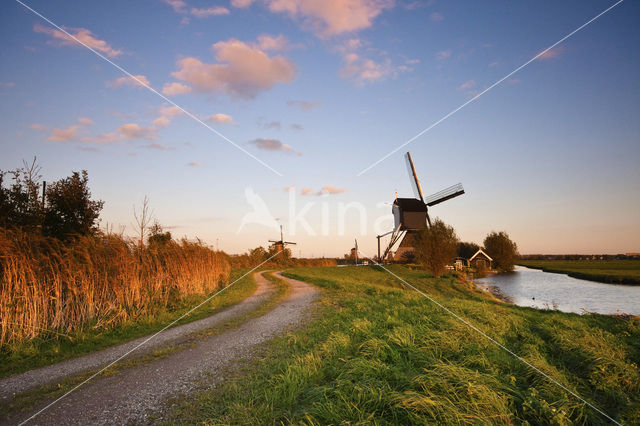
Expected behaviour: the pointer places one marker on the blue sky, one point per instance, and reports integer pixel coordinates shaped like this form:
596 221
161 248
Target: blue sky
319 91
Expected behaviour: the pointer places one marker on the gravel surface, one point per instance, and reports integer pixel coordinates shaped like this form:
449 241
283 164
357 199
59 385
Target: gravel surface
135 394
12 385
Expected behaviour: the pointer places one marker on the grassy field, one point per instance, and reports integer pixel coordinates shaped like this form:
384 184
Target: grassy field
16 357
606 271
377 352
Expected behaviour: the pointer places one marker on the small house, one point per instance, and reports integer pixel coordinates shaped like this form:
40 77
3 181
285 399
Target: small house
480 260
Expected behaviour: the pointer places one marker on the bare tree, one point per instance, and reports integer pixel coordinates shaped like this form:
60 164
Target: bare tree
436 247
143 218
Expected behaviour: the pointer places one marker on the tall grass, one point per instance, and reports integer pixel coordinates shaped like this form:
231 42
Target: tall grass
47 286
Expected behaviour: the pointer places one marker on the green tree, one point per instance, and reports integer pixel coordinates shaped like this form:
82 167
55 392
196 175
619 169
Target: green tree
157 236
70 209
436 247
466 250
504 252
20 202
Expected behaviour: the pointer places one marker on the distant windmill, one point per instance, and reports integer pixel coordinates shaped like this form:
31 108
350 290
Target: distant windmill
412 214
280 244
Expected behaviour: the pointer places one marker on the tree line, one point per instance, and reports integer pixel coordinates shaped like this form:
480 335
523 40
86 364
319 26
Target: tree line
438 246
61 211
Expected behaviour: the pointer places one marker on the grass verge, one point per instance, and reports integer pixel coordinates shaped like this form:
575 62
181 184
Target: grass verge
377 352
604 271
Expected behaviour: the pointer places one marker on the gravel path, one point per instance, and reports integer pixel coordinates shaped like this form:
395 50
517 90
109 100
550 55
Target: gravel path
12 385
136 393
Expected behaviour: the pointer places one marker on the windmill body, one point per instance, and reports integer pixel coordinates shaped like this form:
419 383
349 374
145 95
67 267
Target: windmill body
412 214
280 244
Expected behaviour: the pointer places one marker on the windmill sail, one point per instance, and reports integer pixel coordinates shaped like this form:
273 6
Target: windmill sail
444 195
415 183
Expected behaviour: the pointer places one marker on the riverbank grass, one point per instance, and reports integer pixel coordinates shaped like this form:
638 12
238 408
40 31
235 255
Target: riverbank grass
378 352
605 271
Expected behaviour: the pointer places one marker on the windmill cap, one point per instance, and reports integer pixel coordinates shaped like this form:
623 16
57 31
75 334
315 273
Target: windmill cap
410 205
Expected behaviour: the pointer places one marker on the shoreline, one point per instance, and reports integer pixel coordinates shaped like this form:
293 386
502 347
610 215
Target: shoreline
603 279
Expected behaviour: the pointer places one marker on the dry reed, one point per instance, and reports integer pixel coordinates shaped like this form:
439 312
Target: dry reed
47 286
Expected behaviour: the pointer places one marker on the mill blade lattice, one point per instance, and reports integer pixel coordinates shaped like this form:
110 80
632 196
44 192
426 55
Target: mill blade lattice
444 195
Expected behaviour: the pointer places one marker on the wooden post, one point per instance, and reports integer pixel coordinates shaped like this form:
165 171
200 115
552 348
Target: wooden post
44 192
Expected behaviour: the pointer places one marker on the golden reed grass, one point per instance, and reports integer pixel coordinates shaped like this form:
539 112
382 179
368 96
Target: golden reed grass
49 286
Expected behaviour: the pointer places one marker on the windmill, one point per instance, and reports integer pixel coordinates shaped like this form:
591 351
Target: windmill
412 214
280 244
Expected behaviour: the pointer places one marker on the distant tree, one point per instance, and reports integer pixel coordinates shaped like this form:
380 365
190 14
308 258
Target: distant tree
157 237
436 247
20 202
70 209
257 255
142 218
466 250
504 252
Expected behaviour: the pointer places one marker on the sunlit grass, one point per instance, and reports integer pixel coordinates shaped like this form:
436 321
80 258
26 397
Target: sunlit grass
377 352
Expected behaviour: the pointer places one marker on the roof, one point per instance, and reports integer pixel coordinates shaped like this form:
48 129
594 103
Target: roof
410 204
480 251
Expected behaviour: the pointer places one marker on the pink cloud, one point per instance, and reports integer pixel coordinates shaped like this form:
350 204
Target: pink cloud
330 189
326 190
64 135
175 88
161 122
139 81
241 3
436 17
552 53
267 42
273 145
170 111
243 70
194 164
330 17
82 34
177 5
467 85
135 131
221 118
362 69
443 54
85 121
210 11
304 105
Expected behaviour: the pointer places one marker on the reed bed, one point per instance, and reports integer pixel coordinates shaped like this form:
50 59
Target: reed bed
52 287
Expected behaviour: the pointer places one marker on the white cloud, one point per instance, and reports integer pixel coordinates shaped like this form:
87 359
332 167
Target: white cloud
436 17
82 34
243 70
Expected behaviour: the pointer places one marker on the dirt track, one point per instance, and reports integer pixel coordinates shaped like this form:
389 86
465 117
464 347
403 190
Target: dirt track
134 394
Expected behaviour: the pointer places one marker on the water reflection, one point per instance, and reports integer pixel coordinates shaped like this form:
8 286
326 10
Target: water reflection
544 290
